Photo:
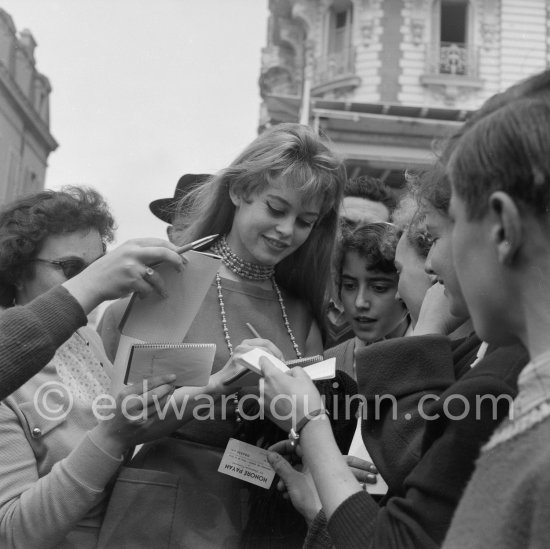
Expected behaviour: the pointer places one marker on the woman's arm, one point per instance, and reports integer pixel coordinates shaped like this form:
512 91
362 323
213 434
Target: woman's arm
333 478
39 512
30 335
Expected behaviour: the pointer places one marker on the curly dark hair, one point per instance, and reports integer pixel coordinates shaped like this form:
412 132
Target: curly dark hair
376 242
431 187
27 222
370 188
409 219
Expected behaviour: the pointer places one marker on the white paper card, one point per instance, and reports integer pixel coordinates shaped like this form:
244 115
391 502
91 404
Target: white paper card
359 450
322 370
318 371
247 462
252 360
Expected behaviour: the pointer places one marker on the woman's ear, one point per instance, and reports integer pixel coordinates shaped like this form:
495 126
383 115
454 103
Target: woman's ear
507 229
235 198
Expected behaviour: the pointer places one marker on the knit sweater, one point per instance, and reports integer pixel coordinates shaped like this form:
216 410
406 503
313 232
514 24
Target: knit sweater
52 473
507 502
30 335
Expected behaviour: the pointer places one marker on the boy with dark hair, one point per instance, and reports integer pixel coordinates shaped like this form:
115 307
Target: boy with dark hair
500 174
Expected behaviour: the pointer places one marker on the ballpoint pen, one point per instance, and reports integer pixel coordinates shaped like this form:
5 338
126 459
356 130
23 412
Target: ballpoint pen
245 371
196 245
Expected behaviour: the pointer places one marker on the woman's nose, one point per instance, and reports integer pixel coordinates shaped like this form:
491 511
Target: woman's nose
285 226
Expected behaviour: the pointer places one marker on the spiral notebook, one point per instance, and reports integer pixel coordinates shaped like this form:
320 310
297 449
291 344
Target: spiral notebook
317 368
191 362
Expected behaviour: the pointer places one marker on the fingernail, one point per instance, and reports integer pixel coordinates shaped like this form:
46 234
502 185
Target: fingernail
373 469
371 478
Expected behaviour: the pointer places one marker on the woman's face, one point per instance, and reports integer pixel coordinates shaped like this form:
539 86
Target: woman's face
81 245
413 279
368 298
440 260
270 225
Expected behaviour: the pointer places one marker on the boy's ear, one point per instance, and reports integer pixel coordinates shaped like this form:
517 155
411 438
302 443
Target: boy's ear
507 229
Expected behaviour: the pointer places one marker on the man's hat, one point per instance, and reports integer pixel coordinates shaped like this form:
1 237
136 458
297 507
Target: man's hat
165 208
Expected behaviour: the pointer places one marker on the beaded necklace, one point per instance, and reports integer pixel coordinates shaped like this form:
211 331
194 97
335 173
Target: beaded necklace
251 271
242 268
226 335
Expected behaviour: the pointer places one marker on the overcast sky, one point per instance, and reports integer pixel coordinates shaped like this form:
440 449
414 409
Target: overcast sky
145 91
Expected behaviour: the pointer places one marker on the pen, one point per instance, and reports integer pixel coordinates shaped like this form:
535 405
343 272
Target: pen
241 374
254 332
195 245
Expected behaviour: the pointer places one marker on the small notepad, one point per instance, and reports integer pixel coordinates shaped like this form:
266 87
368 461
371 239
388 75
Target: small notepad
191 362
325 369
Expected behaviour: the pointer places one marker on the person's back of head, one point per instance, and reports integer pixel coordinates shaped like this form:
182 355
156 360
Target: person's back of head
366 200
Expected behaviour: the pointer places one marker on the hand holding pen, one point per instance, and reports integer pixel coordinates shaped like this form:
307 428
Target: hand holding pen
244 347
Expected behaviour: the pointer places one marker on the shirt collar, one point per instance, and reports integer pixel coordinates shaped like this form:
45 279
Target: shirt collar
533 385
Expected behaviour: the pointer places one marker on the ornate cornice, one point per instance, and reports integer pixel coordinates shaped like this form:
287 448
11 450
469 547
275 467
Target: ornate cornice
26 110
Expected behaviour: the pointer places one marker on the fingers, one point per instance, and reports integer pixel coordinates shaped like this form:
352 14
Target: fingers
148 385
282 447
266 344
268 368
361 464
281 466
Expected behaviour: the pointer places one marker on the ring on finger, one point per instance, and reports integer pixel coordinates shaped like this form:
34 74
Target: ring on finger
148 272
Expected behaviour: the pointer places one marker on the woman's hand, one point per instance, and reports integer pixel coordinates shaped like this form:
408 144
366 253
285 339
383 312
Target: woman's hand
296 484
287 397
364 471
235 365
124 270
135 415
435 316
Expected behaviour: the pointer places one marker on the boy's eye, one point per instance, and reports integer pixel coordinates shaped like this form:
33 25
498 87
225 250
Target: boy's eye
348 286
379 289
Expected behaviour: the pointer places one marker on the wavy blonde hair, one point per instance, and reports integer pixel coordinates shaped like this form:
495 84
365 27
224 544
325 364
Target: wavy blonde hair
295 155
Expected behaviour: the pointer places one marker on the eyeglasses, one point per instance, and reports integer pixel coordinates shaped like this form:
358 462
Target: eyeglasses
70 267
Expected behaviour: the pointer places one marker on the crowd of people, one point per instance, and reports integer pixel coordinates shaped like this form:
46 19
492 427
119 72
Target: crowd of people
433 304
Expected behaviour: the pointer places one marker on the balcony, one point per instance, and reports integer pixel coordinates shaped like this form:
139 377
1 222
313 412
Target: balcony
451 68
335 71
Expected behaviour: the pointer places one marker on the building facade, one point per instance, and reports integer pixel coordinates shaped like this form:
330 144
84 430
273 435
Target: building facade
25 138
385 78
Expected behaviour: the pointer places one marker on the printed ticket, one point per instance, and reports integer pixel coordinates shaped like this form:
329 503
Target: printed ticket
247 462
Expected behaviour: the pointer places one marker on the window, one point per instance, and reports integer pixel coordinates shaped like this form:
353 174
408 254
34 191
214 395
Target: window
339 58
12 189
453 51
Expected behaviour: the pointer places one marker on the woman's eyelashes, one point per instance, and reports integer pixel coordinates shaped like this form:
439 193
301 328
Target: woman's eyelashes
276 212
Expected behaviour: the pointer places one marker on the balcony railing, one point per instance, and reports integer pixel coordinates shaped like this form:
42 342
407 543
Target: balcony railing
454 59
334 66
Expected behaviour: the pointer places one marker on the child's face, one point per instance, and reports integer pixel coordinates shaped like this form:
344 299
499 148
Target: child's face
440 262
369 299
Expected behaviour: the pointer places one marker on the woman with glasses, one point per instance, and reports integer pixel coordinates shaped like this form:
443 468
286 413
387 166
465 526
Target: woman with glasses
57 450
